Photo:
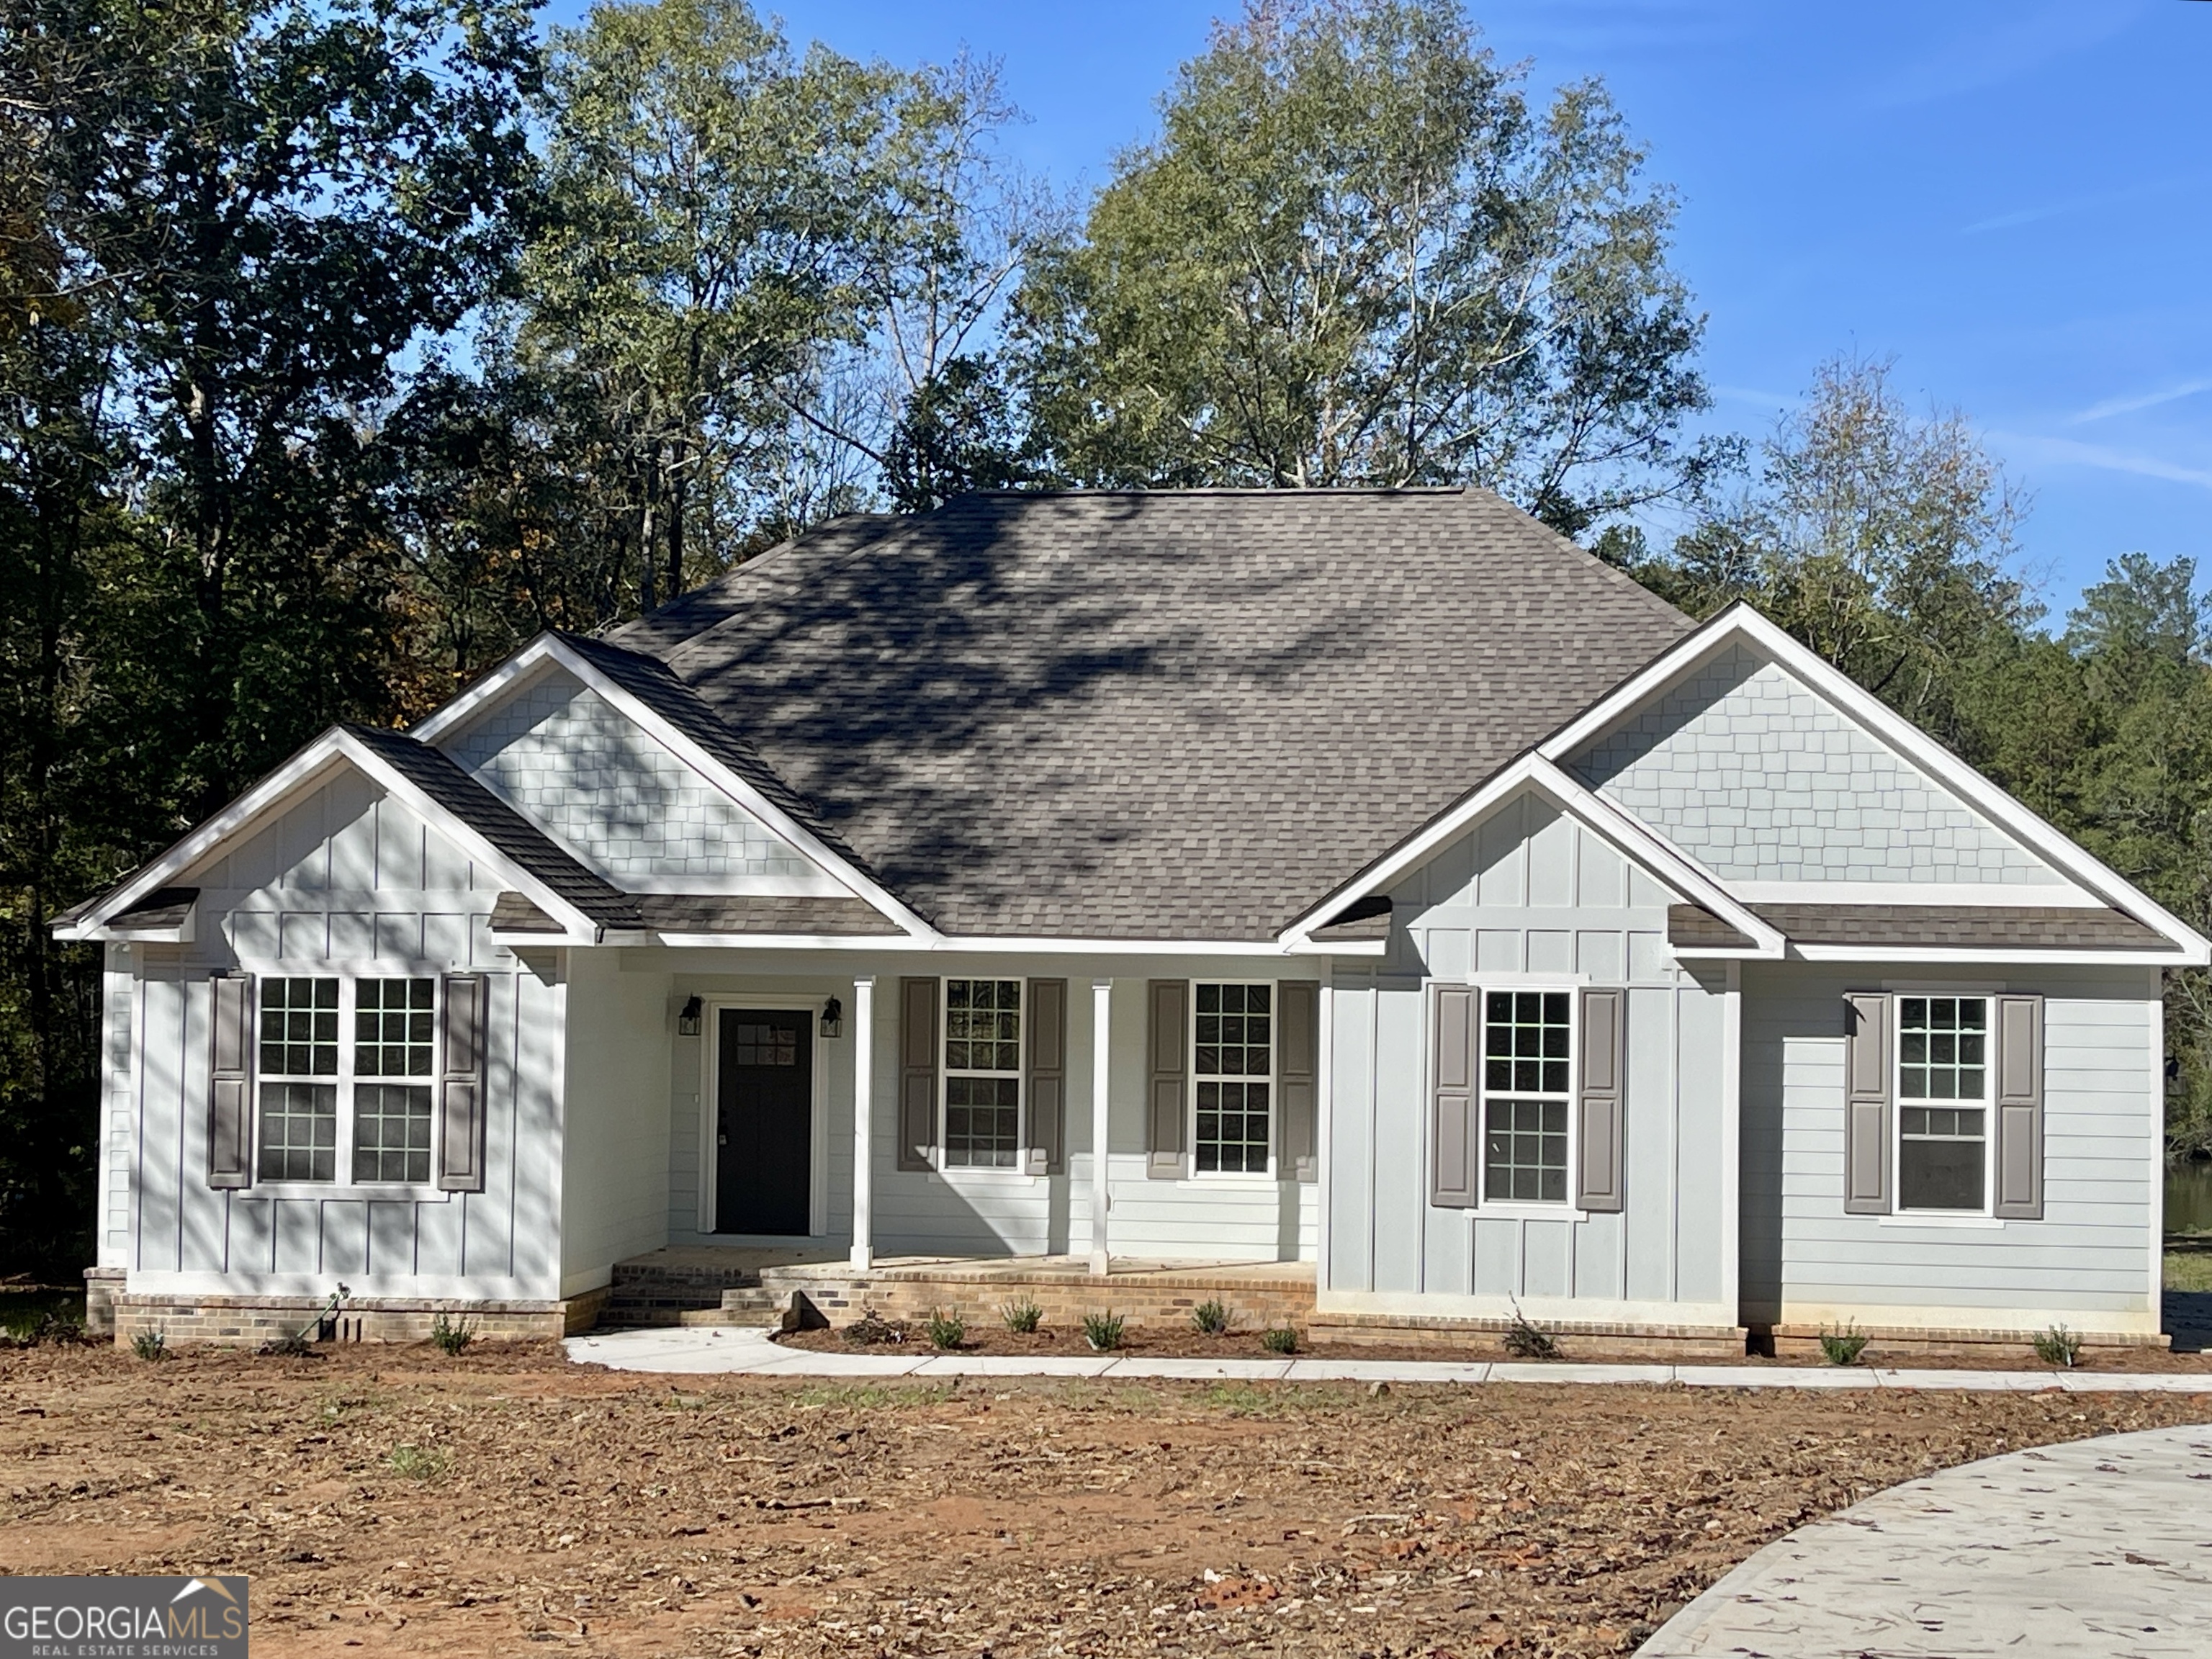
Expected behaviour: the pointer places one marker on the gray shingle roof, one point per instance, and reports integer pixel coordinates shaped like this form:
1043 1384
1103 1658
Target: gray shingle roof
1987 927
1169 714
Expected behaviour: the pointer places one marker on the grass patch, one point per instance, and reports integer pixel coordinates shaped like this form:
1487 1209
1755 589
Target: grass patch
419 1462
873 1396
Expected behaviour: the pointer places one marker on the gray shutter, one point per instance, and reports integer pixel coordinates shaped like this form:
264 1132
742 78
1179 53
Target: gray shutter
1454 1159
1167 1050
1867 1039
2020 1107
230 1100
1603 1126
461 1111
1298 1064
1047 1089
917 1072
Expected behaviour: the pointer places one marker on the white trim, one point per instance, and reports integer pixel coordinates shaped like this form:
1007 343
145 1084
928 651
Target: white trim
1524 1209
864 1125
820 884
993 945
2157 1139
307 770
712 1008
1324 1129
1534 773
1985 1104
1731 1216
1192 1174
2006 955
526 664
1740 622
344 1082
940 1164
1935 894
1970 1219
1102 1117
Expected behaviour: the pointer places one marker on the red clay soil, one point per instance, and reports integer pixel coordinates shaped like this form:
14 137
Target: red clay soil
394 1501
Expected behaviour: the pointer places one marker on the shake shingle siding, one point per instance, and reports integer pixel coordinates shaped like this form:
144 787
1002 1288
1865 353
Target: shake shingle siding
1151 715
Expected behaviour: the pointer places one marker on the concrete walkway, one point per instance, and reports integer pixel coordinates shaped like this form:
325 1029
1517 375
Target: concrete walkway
2102 1548
727 1350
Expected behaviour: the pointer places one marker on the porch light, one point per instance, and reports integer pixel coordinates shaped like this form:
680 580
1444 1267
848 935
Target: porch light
832 1019
687 1020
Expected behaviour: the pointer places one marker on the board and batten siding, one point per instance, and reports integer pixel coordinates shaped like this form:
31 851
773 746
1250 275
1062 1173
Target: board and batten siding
347 881
2087 1263
1526 893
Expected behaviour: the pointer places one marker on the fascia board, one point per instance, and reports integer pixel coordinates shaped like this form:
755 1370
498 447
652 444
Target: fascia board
524 665
1993 957
1002 945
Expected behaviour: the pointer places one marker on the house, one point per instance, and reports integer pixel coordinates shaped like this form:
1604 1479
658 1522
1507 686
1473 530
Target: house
1382 883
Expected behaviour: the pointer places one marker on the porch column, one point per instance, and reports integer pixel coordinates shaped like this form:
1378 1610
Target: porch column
864 1116
1101 1030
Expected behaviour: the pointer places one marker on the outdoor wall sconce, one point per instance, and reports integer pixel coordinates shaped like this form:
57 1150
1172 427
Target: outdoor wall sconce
832 1019
687 1021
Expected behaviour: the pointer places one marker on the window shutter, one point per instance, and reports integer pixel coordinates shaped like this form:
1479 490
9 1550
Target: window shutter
230 1100
1168 1050
1603 1122
917 1072
2020 1107
1047 1089
1298 1063
1454 1157
1867 1027
461 1110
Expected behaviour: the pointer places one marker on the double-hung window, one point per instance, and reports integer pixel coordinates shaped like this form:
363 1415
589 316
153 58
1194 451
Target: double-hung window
1234 1069
369 1097
1942 1102
982 1073
1527 1061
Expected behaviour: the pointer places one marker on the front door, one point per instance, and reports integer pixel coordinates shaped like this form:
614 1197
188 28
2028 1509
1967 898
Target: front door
763 1111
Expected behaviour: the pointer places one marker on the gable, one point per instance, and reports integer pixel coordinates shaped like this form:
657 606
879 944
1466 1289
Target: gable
583 771
1760 779
347 835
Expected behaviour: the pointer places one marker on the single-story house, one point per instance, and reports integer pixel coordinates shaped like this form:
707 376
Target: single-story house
1369 879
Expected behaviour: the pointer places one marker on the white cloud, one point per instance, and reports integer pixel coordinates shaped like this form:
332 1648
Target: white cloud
2071 452
2129 405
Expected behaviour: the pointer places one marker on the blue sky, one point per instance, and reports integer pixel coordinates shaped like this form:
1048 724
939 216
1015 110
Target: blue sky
2009 197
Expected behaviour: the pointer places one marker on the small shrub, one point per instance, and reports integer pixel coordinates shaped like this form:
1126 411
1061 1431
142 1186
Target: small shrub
1209 1319
1279 1338
417 1463
1524 1340
1844 1347
872 1330
1022 1318
453 1337
24 1326
946 1329
2059 1347
295 1346
151 1343
1102 1331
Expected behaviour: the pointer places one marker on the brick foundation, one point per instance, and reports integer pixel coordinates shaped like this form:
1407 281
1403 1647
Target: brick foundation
1143 1300
1576 1339
248 1321
1803 1341
101 1286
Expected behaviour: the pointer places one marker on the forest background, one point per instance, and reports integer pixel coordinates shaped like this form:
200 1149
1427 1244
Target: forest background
345 344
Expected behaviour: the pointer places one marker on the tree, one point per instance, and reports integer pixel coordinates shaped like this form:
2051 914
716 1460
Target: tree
1355 254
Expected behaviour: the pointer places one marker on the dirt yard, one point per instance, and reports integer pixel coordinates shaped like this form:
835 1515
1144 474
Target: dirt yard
395 1501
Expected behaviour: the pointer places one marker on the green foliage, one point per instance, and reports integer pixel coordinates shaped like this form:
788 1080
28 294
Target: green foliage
1022 1318
149 1345
452 1336
1844 1347
1102 1331
2059 1347
424 1463
946 1329
1279 1338
1525 1340
1209 1318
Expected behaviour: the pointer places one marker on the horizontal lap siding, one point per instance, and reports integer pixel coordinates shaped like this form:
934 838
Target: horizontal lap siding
2090 1250
1528 892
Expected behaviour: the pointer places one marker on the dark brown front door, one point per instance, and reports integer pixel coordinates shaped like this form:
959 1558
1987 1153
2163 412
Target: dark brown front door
764 1076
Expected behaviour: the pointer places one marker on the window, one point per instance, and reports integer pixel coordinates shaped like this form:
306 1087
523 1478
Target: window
1527 1062
380 1084
982 1073
1942 1100
1234 1070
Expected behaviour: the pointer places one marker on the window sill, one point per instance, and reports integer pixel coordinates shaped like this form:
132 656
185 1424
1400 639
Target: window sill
1241 1180
1938 1219
363 1192
1504 1210
958 1174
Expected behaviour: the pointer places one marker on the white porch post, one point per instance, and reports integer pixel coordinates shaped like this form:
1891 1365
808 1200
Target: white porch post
1102 1027
863 1113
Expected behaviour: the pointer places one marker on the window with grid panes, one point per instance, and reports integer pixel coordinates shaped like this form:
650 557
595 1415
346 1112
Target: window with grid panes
299 1068
394 1038
1527 1048
982 1073
1234 1074
1942 1102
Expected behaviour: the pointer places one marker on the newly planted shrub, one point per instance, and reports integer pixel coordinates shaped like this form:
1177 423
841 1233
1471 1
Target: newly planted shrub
1281 1338
1209 1318
1102 1331
453 1337
1022 1318
150 1343
872 1330
1844 1347
1525 1342
2059 1347
946 1329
